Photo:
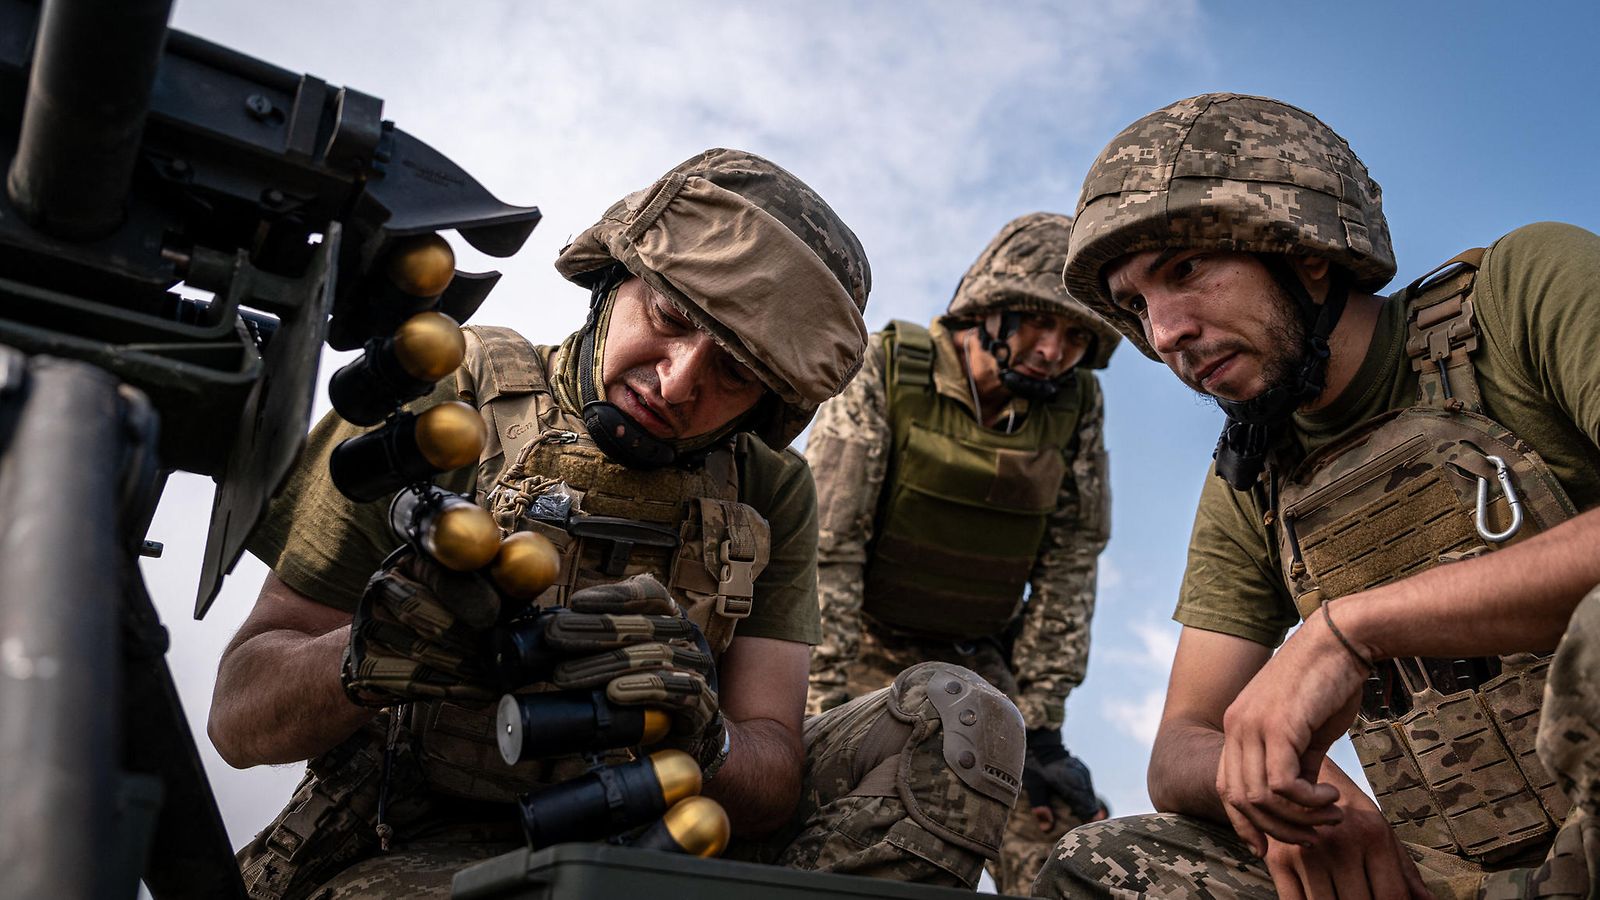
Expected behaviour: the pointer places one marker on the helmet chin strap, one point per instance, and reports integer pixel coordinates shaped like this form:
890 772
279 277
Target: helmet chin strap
1042 390
615 432
618 435
1247 434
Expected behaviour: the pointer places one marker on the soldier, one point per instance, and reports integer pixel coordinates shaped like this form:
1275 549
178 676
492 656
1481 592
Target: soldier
671 408
963 468
1407 477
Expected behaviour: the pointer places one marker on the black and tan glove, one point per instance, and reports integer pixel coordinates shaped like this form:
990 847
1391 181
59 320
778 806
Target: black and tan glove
631 639
1049 770
420 633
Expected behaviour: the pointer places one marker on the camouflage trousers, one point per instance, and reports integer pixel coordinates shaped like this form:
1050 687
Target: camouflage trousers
1025 846
899 783
1174 856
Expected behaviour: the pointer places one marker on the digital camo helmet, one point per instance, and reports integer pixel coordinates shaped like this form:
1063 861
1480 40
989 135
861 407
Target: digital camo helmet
1238 173
1020 271
751 255
1228 172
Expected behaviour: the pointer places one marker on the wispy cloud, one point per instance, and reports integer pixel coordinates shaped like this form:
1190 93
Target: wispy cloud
926 125
1138 715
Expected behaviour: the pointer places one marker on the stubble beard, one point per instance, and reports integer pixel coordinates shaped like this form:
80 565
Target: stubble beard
1287 332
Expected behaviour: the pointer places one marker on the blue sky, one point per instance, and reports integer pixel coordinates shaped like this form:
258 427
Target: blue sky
928 126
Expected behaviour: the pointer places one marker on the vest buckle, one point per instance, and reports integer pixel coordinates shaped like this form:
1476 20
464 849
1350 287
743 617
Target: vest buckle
737 584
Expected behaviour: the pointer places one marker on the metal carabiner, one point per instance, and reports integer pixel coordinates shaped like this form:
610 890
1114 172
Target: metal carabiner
1503 474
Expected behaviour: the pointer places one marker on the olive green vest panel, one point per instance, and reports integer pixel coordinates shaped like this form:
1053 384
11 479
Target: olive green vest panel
1447 744
964 507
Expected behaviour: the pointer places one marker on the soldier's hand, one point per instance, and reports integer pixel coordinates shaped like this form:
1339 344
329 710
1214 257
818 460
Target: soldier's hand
1276 735
632 639
1358 858
1048 771
418 634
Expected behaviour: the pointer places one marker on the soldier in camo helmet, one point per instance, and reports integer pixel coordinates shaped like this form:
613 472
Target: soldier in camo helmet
962 470
649 447
1396 476
1020 273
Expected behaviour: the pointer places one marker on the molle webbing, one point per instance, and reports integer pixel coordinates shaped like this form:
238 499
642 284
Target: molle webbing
1447 744
965 507
1442 333
911 354
686 526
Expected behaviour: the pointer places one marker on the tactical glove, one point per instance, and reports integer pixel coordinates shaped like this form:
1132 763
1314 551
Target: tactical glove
418 634
1048 770
630 638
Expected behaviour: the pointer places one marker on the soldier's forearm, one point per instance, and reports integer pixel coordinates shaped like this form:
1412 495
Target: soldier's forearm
1516 599
759 785
278 699
1182 777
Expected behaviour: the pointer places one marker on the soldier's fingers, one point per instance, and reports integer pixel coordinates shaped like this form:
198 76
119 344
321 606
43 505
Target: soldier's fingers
587 631
1382 872
1269 812
1241 826
1045 817
1286 877
1286 777
685 693
641 594
1251 774
594 671
1230 789
1317 879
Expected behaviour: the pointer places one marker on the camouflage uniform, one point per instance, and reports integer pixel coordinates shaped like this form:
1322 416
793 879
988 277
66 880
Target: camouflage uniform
1375 488
912 782
1169 856
896 785
853 451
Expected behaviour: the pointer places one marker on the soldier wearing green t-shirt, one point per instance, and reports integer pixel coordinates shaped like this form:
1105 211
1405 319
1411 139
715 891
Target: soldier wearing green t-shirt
1413 478
650 449
963 468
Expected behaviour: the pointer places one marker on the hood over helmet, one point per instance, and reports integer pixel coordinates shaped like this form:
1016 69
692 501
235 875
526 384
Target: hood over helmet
754 257
1246 174
1020 271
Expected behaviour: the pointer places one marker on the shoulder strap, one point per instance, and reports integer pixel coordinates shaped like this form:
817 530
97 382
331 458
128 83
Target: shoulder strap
911 354
503 362
1442 333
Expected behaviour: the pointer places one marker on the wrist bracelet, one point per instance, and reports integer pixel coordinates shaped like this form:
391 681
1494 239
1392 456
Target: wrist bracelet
712 768
1327 616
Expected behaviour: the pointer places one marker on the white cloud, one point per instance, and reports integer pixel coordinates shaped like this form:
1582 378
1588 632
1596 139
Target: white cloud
1139 715
1138 718
927 126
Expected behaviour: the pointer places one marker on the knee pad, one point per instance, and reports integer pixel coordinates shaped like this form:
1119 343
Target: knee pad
961 767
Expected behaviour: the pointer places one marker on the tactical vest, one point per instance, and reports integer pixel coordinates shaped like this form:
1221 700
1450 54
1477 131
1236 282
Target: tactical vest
687 527
1447 744
964 507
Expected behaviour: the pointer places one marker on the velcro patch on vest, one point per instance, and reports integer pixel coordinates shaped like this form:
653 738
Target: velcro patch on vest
1400 532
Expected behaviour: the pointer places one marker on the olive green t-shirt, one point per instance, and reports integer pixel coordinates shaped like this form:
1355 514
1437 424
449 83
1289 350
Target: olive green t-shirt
326 546
1537 298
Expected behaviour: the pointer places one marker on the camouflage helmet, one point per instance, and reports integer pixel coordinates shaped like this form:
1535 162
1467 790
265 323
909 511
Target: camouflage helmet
1021 270
754 257
1229 172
